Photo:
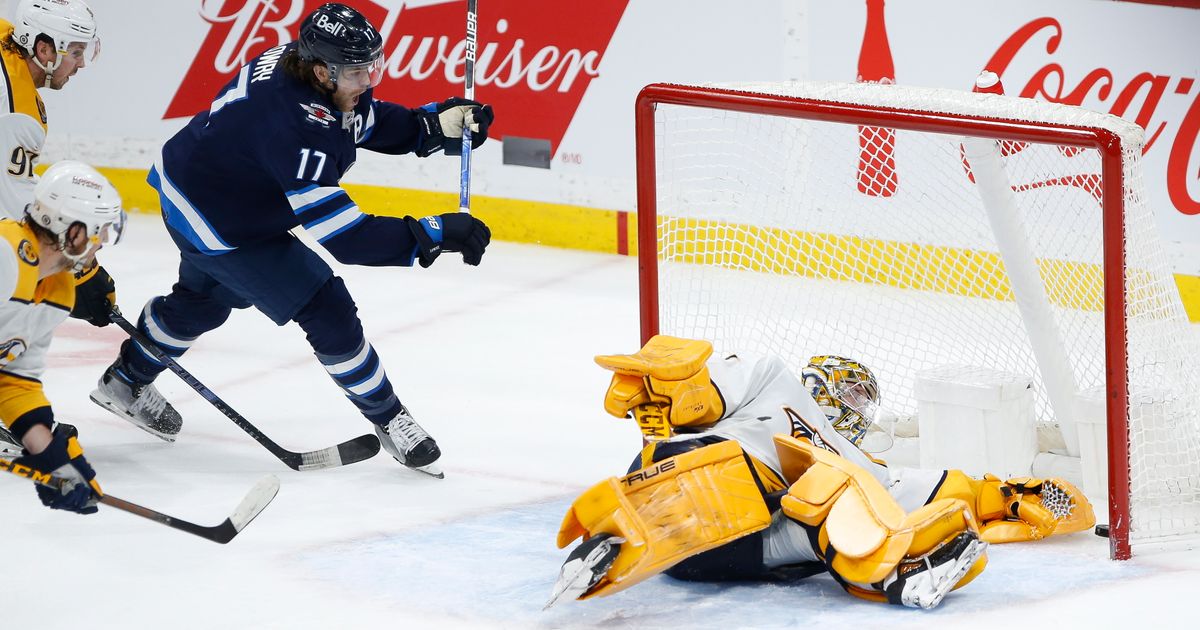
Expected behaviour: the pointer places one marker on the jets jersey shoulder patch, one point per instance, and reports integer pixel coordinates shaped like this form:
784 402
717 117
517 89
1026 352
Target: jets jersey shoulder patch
318 114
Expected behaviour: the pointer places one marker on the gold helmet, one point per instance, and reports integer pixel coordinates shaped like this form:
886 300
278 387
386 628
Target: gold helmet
846 391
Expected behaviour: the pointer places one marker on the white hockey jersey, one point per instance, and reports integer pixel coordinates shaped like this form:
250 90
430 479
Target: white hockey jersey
22 128
764 398
30 310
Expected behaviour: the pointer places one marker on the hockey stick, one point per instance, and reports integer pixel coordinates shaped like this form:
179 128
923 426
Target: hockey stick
464 172
251 506
349 452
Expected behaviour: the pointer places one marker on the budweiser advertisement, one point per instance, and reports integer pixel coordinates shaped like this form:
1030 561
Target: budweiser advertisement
529 60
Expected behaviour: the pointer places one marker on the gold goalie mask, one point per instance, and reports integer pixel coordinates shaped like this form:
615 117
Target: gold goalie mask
846 391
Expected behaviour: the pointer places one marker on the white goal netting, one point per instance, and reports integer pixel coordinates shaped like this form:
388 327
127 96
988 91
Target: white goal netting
797 237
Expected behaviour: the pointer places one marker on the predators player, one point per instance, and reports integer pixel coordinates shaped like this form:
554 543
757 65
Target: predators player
267 157
75 212
45 45
753 473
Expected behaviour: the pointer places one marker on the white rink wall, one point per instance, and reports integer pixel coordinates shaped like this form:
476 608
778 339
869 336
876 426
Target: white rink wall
568 73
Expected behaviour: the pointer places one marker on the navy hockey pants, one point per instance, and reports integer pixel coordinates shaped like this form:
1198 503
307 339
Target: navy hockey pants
285 280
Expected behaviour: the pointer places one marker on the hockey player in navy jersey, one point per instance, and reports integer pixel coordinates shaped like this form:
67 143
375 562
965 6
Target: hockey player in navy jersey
265 158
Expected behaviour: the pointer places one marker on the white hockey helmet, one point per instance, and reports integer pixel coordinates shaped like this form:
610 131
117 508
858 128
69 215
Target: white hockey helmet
71 192
63 21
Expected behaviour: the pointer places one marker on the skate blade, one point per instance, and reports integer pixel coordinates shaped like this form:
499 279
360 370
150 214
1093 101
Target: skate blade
575 577
433 470
104 402
964 564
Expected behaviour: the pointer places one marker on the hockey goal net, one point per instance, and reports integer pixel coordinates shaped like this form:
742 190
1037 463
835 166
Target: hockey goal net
911 228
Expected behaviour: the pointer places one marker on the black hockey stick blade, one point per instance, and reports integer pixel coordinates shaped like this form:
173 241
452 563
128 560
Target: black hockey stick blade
349 452
251 506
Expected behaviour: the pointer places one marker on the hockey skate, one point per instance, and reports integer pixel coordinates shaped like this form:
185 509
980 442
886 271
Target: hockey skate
410 445
140 404
584 568
923 582
10 446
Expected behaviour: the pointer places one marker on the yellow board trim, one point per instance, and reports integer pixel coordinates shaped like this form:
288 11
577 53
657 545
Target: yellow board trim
597 230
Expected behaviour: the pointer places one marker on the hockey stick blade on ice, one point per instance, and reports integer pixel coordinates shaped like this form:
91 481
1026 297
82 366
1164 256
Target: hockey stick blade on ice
356 450
251 506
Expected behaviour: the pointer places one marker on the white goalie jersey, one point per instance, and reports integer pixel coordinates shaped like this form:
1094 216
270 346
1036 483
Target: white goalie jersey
764 398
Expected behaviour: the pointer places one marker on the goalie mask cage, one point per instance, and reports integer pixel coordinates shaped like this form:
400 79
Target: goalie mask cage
911 228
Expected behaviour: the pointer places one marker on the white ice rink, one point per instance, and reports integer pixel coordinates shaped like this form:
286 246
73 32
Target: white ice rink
496 362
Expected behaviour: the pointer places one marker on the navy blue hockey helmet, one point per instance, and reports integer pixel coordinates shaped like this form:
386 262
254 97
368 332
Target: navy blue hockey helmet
345 42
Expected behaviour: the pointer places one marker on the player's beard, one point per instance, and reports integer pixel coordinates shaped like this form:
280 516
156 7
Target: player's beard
345 102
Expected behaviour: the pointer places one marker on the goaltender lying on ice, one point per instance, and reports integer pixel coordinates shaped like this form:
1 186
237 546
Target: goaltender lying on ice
752 473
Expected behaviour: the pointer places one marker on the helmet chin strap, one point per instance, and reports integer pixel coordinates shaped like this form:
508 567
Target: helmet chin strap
50 68
78 261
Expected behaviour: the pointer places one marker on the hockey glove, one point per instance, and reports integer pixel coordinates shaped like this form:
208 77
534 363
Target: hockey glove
95 293
451 232
63 457
442 125
1025 508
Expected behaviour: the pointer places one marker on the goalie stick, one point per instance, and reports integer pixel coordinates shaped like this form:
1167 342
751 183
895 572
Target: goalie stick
251 506
349 452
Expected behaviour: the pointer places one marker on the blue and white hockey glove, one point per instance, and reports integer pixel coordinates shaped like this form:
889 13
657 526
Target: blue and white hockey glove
451 232
63 457
442 125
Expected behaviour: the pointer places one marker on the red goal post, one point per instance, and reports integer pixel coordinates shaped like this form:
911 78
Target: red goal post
672 179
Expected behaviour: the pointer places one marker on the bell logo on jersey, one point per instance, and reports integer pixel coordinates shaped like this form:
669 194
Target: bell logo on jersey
531 64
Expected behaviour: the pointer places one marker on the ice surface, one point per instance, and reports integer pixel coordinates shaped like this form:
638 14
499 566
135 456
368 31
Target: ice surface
496 363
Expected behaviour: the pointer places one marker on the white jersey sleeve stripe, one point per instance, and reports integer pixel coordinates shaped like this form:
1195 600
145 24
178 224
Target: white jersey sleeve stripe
306 198
330 226
194 219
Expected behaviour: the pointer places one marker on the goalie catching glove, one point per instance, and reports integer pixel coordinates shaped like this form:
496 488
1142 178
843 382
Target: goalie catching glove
442 125
1022 508
63 458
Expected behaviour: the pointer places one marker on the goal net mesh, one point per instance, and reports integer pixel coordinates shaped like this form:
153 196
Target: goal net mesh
799 237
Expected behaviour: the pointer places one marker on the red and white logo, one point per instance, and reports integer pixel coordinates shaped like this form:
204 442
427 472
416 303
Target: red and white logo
533 64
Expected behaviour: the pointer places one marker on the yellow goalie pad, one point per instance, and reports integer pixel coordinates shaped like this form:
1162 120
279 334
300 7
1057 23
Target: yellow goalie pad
857 517
669 511
1022 508
665 384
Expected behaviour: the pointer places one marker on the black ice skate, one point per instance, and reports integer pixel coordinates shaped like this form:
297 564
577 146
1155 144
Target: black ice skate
406 441
10 446
584 568
140 404
923 582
